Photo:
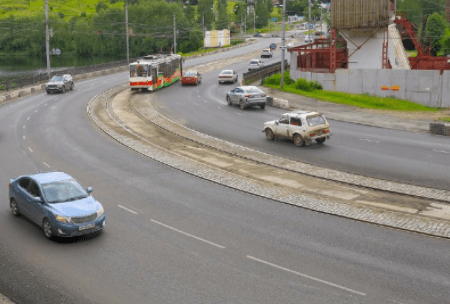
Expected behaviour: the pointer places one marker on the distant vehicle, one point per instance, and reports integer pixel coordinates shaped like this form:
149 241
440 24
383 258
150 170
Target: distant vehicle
153 72
59 83
247 96
56 202
228 76
301 126
191 77
266 53
308 39
255 64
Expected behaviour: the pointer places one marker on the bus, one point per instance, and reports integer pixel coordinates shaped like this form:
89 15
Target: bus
153 72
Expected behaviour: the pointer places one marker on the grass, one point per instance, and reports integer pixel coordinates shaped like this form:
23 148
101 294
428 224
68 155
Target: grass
70 8
445 119
359 100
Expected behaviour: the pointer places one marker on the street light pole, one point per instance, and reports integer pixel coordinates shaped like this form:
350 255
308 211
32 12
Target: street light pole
283 35
47 39
126 27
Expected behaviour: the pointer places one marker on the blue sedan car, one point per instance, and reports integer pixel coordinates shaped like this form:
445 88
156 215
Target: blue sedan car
57 202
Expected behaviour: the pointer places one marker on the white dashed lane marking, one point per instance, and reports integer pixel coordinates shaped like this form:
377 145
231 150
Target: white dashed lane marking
441 151
46 164
188 234
30 149
307 276
370 140
125 208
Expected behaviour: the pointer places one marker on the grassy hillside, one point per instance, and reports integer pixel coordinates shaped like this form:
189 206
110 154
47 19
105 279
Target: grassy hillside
63 8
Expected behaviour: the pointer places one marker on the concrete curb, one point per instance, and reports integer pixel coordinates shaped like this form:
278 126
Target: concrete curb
386 217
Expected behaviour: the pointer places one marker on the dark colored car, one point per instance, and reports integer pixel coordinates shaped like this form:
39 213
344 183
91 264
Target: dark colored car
59 83
56 202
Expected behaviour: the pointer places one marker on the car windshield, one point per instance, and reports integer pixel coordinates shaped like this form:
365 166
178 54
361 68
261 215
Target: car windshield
57 78
63 191
254 62
190 74
226 72
315 120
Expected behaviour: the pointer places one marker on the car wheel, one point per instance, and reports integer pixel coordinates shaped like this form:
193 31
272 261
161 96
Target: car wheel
47 228
242 104
196 83
48 92
262 107
63 89
71 87
14 208
229 100
298 140
320 140
236 79
269 134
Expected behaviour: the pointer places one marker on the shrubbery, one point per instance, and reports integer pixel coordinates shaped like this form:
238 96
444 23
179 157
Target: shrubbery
300 84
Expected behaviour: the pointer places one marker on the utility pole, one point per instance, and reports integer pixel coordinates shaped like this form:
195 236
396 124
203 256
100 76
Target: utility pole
174 35
47 39
126 28
283 35
254 21
245 24
228 22
309 15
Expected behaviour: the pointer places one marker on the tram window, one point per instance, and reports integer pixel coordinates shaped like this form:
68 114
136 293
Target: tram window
133 70
142 70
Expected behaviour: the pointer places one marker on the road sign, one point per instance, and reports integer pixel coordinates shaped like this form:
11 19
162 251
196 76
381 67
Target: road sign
273 46
283 47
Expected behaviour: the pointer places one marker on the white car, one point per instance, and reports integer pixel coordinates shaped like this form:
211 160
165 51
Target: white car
228 76
301 126
255 64
267 53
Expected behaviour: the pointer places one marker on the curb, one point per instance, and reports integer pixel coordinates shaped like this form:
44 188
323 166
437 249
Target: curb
422 224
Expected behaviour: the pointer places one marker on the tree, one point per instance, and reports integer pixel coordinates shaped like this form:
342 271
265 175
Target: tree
435 31
262 15
205 10
222 15
445 42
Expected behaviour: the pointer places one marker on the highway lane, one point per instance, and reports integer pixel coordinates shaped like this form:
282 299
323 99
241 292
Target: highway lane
174 238
413 158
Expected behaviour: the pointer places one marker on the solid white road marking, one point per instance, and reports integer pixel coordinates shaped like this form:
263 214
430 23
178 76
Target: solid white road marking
441 151
307 276
125 208
190 235
370 140
30 149
46 164
23 137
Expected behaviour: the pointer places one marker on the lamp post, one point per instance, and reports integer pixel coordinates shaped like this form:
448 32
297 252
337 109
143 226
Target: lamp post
283 35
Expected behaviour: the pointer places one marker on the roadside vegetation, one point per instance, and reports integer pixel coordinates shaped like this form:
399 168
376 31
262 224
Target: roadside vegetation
314 90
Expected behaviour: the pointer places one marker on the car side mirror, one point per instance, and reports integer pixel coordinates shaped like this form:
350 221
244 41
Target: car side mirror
89 189
37 199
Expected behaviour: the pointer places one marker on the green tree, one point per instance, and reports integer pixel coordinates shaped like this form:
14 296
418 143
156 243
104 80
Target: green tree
435 31
222 15
205 10
262 15
445 42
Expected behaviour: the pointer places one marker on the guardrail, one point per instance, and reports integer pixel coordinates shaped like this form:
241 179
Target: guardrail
264 72
43 77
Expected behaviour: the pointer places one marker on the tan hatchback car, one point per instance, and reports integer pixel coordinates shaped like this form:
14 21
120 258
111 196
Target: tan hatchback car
301 126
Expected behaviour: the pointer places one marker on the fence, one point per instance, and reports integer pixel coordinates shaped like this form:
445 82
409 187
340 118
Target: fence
264 72
427 87
43 77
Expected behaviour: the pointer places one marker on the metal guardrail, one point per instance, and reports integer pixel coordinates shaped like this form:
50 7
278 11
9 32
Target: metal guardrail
264 72
43 77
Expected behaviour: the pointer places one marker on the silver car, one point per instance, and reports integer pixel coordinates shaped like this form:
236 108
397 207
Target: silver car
59 83
247 96
228 76
255 64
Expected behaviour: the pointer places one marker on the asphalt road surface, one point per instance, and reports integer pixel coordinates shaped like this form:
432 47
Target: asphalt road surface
174 238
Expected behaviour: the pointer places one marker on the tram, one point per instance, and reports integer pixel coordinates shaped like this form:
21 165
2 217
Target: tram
153 72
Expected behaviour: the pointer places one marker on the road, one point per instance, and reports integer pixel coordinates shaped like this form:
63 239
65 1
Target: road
174 238
412 158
